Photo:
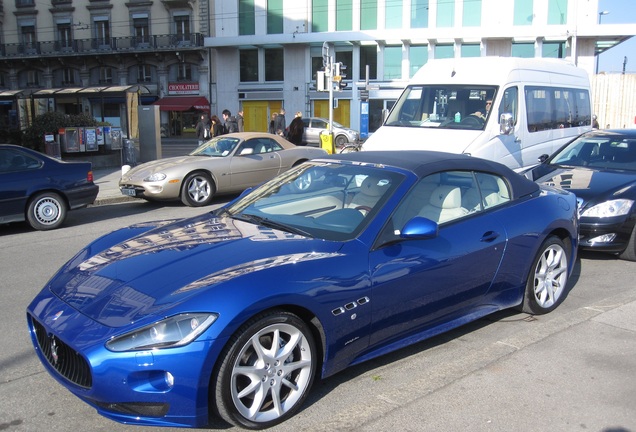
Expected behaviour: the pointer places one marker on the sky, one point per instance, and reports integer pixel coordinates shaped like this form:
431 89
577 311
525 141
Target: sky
620 12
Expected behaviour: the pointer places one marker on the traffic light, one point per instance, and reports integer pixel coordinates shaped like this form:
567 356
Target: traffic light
342 85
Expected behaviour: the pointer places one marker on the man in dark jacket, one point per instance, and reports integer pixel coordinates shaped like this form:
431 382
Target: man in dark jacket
279 123
230 123
202 129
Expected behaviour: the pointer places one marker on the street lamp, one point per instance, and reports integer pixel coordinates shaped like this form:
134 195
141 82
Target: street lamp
600 17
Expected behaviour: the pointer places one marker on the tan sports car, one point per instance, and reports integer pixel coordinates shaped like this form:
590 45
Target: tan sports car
225 164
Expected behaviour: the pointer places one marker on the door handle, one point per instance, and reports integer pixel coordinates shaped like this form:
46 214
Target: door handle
489 236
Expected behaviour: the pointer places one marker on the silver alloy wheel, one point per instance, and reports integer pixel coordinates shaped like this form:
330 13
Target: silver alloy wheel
47 210
550 276
271 373
199 189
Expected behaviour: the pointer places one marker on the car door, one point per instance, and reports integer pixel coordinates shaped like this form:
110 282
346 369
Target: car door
16 176
426 283
316 126
255 160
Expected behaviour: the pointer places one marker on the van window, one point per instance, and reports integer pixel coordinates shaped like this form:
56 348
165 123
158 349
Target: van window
557 108
442 106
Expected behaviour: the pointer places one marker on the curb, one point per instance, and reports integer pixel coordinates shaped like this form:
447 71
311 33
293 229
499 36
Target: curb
112 200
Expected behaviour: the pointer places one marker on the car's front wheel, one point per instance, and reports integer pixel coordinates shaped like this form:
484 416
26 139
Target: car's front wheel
198 190
46 211
546 285
266 371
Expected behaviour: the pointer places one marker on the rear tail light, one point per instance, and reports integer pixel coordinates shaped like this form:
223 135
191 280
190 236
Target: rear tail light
89 176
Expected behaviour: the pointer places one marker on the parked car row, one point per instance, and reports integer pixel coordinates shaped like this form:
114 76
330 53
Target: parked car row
328 261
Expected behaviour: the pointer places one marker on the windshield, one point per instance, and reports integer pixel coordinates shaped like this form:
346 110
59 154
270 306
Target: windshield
443 106
605 151
332 201
216 147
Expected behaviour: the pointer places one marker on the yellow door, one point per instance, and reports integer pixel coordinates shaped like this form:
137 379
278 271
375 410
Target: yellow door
342 114
258 113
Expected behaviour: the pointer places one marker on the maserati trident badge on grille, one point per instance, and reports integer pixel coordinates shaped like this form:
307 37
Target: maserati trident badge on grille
54 350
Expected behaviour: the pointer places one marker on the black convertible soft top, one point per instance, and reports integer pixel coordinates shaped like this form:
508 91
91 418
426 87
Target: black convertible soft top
423 163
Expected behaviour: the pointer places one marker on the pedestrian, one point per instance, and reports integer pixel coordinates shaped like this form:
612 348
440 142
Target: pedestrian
202 129
296 129
217 126
272 124
230 123
240 121
280 125
595 124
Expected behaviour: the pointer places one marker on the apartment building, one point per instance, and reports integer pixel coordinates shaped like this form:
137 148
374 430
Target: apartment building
103 58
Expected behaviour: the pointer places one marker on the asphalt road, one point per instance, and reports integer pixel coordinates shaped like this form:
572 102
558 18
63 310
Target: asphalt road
571 370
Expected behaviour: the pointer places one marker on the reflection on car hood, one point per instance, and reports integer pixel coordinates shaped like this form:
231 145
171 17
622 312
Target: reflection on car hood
167 265
162 164
588 183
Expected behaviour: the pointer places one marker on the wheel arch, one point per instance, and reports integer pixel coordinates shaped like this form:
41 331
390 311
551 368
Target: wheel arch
199 171
36 193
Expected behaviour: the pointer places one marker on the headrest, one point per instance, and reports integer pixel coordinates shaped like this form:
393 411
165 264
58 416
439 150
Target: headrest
446 197
372 186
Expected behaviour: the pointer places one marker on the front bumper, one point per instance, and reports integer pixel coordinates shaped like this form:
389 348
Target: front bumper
616 230
160 387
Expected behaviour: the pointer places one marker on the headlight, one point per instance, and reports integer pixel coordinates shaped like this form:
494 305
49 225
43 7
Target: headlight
611 208
171 332
155 177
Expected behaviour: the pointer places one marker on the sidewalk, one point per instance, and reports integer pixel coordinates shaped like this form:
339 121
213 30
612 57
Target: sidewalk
108 181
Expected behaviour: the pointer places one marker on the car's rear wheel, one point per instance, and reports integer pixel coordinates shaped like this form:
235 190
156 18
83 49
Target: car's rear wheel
197 190
46 211
266 371
629 253
546 285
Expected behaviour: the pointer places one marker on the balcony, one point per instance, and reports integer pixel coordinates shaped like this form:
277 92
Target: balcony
118 45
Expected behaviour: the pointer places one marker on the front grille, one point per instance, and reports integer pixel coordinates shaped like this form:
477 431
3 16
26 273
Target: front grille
66 361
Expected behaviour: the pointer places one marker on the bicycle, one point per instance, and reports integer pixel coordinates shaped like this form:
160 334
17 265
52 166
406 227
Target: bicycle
351 147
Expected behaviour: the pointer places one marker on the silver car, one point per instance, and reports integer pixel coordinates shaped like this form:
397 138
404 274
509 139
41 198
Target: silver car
342 135
225 164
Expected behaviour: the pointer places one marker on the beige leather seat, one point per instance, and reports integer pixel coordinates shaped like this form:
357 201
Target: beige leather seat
444 204
370 192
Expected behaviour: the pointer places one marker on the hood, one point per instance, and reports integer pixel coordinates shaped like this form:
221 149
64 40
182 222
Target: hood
168 265
589 183
158 165
421 138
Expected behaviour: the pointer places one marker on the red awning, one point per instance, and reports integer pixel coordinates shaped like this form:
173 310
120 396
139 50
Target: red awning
183 103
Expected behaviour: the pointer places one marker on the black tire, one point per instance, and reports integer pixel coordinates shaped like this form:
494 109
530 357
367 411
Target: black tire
548 278
198 190
629 253
341 141
287 372
46 211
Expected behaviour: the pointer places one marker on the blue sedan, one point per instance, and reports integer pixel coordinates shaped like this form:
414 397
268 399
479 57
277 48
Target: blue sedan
40 189
236 312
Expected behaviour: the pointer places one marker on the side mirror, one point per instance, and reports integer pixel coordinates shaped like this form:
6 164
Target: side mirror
506 124
419 228
543 158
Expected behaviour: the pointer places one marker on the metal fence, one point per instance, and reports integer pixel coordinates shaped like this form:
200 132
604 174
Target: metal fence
614 100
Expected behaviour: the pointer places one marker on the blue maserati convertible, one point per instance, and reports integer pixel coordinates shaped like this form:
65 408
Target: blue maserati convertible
234 313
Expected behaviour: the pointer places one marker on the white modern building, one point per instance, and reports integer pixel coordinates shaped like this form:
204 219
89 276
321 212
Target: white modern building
265 54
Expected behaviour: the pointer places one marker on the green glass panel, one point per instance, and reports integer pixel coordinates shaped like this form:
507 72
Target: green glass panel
418 56
523 50
319 16
419 13
445 13
558 12
247 17
472 13
393 14
274 16
444 51
368 14
392 62
344 16
471 50
524 13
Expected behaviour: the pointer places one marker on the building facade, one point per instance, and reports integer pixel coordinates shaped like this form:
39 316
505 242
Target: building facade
103 57
266 53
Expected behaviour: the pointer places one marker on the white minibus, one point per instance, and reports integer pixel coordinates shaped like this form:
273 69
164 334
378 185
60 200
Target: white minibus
510 110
